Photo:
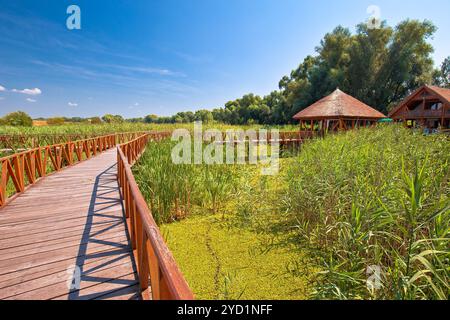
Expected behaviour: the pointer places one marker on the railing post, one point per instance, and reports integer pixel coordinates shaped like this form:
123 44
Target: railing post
3 182
18 163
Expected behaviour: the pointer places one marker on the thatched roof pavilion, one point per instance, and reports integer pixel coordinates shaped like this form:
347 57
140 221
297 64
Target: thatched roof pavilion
338 111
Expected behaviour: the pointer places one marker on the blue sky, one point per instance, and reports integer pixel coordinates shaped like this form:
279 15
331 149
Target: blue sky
142 57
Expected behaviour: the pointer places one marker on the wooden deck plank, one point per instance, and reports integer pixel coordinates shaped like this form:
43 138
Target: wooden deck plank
70 218
17 231
58 279
46 236
25 275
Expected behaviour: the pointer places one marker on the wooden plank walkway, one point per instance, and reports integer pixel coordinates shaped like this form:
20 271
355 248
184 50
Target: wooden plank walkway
71 218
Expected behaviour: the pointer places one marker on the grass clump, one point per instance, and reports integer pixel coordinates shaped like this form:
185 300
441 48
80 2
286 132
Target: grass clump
374 197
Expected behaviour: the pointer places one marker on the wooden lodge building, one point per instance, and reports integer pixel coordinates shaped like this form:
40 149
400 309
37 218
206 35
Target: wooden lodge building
428 107
338 111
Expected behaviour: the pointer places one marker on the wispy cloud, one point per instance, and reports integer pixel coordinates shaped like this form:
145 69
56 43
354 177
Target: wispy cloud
31 100
2 88
73 104
192 58
107 71
147 70
134 105
31 92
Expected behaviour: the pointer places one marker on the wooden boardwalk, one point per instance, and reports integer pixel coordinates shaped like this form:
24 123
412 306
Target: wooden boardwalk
66 237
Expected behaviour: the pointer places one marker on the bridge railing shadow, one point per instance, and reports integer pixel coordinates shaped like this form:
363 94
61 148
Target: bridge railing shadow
98 266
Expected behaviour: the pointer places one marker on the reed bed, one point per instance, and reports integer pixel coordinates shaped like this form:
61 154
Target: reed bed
105 128
173 189
369 199
28 137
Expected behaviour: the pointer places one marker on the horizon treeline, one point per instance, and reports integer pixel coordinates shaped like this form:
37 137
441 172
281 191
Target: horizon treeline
377 66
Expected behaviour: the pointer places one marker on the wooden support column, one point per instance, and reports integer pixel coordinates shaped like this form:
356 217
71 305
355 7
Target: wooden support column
443 115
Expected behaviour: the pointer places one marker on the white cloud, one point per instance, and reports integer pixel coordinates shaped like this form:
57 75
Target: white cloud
31 100
2 88
136 104
31 92
73 104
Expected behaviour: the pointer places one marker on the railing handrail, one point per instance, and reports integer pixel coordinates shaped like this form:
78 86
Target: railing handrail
54 146
153 258
8 140
27 167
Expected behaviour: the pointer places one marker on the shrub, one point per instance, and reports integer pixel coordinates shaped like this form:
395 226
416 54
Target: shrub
18 118
56 121
95 120
109 118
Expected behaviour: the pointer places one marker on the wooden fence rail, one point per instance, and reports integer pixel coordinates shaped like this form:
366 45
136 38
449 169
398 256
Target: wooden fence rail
159 276
22 169
16 141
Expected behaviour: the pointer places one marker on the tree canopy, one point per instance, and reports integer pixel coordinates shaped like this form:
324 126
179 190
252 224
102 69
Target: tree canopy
109 118
377 66
441 76
18 118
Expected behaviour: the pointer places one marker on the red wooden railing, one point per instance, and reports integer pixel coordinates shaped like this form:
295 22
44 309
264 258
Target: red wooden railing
14 142
25 168
159 275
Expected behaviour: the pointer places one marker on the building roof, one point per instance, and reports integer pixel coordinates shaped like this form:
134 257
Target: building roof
339 105
443 93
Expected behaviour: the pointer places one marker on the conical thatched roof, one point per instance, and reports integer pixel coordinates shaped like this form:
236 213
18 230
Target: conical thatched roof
339 105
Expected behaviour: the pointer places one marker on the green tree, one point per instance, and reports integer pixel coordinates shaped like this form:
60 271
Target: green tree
18 118
109 118
95 120
55 121
378 66
135 120
151 118
441 77
205 116
408 64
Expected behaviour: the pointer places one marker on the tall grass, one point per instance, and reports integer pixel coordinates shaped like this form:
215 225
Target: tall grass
77 128
31 136
375 197
173 189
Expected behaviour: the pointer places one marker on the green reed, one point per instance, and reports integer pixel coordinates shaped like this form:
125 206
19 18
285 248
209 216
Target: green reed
375 197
